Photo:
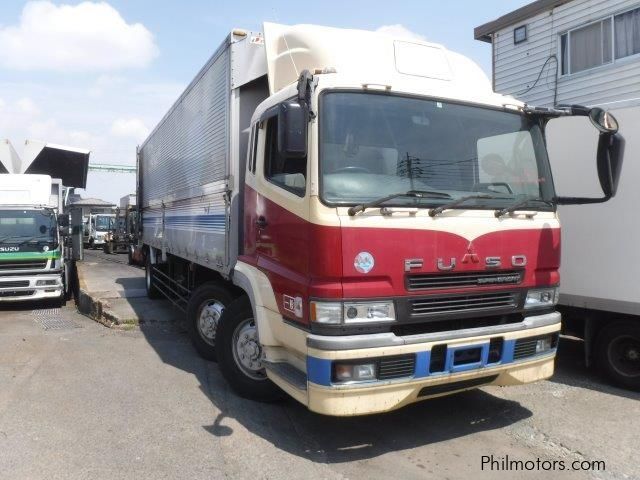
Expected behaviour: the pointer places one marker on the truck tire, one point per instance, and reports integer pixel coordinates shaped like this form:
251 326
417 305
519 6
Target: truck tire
108 248
129 256
152 291
239 354
204 310
618 353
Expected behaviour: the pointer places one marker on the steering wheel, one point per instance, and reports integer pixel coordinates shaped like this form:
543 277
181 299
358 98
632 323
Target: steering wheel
352 169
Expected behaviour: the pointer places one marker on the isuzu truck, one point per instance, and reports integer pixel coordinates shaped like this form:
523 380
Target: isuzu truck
32 260
357 220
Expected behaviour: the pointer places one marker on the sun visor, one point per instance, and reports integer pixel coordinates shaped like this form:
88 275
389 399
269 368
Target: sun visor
67 163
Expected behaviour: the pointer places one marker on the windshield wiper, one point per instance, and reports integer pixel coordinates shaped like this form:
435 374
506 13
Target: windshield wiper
411 193
522 203
438 210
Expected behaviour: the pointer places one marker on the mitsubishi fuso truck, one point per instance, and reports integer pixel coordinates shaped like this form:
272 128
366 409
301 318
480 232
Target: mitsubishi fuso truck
358 220
32 254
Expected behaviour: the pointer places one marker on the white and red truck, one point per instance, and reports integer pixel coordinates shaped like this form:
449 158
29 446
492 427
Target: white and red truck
357 220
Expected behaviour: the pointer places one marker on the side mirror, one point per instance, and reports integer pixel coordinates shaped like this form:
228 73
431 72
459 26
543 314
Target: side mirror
610 154
63 221
293 119
604 121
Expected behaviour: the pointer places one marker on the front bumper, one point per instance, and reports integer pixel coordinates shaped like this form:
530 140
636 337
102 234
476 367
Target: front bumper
323 396
23 287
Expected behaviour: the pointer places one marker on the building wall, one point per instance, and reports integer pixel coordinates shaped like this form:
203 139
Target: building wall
516 67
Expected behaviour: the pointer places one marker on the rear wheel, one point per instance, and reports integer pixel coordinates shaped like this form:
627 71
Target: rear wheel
152 291
240 354
108 248
618 353
130 255
206 304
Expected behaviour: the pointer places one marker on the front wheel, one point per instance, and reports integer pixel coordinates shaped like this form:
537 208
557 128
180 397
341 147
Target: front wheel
618 353
204 311
240 354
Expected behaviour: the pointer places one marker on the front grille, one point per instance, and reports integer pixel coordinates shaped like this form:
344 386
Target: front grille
433 281
396 367
16 293
481 302
14 284
23 265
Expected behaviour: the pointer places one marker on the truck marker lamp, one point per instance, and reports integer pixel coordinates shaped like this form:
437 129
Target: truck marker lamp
351 313
544 344
542 297
349 372
42 283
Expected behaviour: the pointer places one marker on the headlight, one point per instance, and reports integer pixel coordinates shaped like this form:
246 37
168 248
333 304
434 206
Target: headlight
542 297
350 313
346 372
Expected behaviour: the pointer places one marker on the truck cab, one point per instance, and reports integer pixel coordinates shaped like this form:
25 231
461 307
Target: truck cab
31 251
100 224
391 234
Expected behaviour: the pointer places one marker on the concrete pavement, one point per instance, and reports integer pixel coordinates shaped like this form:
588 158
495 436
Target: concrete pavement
113 293
81 401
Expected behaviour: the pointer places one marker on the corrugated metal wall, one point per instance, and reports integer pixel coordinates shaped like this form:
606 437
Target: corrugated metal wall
518 66
190 146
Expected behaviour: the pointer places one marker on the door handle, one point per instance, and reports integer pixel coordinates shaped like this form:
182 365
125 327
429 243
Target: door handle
261 222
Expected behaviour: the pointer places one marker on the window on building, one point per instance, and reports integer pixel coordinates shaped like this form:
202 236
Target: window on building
600 43
627 33
287 173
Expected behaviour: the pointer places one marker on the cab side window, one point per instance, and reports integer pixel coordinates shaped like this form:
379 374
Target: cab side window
288 173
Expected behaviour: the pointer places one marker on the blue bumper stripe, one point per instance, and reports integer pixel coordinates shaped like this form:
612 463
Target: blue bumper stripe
319 369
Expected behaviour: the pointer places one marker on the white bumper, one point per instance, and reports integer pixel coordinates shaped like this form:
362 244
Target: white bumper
30 287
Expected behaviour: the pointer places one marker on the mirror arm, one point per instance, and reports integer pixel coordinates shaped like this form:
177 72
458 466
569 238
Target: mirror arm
579 200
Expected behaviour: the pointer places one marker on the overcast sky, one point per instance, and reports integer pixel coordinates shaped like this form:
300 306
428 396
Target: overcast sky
100 75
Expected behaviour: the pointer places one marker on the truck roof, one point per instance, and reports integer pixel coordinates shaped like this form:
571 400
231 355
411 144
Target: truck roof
372 58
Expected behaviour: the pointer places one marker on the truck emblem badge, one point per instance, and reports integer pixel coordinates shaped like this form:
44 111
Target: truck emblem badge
519 260
470 256
410 263
45 248
445 268
492 262
364 262
293 305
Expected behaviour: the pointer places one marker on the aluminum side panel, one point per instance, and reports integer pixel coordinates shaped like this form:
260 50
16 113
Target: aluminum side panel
190 147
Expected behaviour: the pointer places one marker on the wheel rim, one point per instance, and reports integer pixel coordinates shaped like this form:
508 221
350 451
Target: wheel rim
209 315
624 355
247 351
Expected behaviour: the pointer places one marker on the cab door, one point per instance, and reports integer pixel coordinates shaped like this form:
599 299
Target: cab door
276 217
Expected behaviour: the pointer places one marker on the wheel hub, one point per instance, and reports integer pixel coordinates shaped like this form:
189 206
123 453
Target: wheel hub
208 320
248 351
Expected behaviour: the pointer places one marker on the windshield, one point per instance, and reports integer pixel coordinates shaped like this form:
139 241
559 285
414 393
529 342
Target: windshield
17 226
376 145
104 222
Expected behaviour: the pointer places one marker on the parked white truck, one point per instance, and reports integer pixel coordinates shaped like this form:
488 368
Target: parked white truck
97 227
357 219
600 296
32 260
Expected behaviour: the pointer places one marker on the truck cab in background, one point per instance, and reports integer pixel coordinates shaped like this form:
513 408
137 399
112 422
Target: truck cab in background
371 225
98 226
33 265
